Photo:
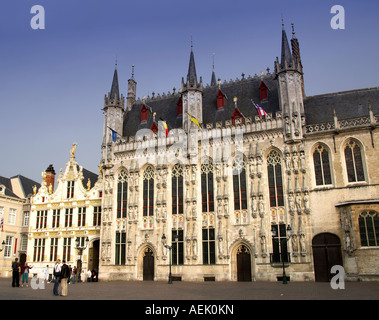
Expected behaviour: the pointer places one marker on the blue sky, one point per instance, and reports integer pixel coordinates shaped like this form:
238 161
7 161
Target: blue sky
53 81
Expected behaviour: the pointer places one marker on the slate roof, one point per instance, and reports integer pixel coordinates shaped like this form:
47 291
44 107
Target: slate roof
244 90
26 185
348 104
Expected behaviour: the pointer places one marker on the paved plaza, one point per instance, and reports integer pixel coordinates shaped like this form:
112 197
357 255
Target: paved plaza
191 300
180 290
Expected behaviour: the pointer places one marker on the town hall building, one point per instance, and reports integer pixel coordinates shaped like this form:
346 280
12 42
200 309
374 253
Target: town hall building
246 180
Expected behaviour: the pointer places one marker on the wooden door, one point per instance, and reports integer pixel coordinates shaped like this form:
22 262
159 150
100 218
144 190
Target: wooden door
326 253
243 264
148 265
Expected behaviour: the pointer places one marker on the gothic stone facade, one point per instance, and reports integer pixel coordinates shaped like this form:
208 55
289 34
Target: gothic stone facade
241 195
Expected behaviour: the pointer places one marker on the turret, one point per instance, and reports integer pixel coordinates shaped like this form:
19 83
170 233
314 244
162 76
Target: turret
132 87
192 91
113 114
289 77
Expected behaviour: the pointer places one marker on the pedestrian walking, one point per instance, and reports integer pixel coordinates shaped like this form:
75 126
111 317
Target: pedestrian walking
74 272
69 274
65 274
25 274
57 277
15 273
89 275
47 274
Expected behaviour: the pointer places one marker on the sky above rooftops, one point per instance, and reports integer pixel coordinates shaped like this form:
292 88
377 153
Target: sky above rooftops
53 81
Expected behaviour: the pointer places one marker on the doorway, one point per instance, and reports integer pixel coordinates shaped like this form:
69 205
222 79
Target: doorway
243 263
326 253
148 265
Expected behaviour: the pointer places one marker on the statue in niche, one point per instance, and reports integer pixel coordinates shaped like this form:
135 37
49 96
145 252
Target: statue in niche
302 244
291 203
254 206
295 246
263 245
219 208
295 120
220 247
261 206
226 211
287 161
194 248
307 208
287 126
295 161
299 208
302 161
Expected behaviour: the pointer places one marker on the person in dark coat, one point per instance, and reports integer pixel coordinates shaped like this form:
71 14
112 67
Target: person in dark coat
65 273
15 273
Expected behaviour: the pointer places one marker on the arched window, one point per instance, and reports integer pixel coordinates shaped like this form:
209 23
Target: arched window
207 195
322 166
148 191
369 228
239 184
354 163
177 189
275 183
122 194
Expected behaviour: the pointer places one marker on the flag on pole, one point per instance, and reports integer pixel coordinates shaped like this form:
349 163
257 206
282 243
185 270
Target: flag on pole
194 120
259 109
165 126
114 134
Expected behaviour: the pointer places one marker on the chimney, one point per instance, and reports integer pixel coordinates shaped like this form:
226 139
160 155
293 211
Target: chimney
50 176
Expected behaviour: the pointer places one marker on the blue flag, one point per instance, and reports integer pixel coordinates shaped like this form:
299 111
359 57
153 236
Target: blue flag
114 135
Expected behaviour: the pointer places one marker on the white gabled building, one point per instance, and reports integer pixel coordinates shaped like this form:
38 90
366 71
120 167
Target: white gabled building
66 216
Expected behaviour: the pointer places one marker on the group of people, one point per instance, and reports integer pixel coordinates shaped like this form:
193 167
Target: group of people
63 274
20 271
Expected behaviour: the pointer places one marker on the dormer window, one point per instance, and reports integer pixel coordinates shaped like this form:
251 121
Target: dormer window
143 114
263 91
179 107
237 115
220 100
154 127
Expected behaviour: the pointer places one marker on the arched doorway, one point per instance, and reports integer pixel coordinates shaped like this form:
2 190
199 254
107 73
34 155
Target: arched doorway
93 262
148 264
243 263
326 253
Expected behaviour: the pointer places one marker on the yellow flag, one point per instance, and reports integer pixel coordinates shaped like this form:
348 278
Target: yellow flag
194 120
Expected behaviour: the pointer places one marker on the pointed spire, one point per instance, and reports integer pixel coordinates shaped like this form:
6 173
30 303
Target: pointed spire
191 76
115 92
286 51
213 79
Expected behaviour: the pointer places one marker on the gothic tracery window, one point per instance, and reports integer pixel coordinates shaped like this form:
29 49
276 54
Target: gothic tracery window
275 183
177 189
354 163
207 194
148 191
122 194
322 166
369 228
239 183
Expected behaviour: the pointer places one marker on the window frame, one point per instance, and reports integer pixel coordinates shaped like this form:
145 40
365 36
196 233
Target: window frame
322 165
351 164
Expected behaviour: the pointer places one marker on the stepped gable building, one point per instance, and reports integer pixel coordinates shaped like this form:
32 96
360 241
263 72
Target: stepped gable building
65 220
228 194
15 194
